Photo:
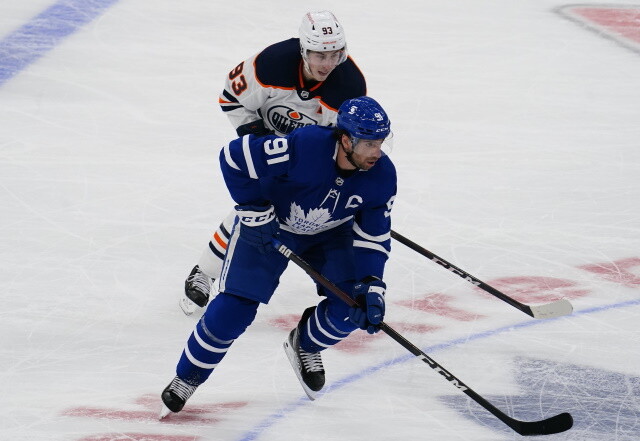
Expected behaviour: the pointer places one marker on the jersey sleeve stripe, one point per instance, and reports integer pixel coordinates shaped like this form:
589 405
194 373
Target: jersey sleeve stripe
226 108
229 159
230 98
381 238
228 102
247 157
371 246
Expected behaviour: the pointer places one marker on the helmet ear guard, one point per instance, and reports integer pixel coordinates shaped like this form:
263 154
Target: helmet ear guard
320 31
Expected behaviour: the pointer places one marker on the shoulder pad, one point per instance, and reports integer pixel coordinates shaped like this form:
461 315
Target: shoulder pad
344 83
277 65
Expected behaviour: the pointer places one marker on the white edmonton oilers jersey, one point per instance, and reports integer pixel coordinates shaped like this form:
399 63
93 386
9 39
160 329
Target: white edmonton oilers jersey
298 175
270 86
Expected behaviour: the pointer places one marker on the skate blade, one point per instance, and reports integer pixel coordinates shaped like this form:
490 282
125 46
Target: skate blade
164 412
292 359
187 306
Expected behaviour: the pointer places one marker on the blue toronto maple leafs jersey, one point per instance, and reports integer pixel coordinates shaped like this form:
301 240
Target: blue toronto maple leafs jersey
299 176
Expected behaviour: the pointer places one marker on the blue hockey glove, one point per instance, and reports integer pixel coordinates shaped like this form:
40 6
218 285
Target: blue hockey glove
258 226
370 297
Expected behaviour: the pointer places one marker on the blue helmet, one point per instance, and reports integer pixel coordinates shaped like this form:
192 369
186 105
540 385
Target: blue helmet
364 118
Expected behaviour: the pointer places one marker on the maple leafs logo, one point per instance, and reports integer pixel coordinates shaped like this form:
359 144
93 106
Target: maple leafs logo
317 219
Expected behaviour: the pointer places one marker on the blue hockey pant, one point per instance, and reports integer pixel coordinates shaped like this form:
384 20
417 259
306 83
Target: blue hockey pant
250 278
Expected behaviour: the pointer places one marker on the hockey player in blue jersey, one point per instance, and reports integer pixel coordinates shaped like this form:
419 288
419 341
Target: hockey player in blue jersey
326 193
294 83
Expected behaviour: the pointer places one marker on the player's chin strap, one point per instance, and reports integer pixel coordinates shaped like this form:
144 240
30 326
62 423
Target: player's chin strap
349 155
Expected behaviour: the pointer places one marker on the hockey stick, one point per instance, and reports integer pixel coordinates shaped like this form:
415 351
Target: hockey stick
548 426
556 308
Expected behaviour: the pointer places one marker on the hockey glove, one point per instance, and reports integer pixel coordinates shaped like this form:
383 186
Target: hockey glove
256 127
258 226
370 297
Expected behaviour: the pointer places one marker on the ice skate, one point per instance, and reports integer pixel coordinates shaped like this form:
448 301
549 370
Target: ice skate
175 395
307 365
197 288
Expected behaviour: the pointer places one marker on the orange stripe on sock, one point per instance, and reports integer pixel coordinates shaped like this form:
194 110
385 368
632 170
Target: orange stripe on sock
218 239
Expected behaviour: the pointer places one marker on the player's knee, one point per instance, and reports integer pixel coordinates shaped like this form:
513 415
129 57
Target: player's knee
337 314
228 316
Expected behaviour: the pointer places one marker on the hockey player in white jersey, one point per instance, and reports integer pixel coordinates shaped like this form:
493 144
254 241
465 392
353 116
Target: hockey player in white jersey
294 83
325 193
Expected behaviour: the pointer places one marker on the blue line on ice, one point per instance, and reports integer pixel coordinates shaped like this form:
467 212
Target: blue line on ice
272 419
45 31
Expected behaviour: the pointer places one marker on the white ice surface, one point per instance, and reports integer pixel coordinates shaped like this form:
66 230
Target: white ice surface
517 140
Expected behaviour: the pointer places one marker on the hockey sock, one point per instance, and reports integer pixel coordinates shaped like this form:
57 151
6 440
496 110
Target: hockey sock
212 256
324 329
226 318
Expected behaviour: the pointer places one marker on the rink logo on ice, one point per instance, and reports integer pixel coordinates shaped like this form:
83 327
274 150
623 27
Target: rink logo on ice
604 404
285 120
616 22
145 410
624 271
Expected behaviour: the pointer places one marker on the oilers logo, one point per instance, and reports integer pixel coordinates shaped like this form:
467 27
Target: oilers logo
284 119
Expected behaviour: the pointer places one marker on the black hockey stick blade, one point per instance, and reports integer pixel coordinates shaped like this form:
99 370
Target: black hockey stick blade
553 309
556 424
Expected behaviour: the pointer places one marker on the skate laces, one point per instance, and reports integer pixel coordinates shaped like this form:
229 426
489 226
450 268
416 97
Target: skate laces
200 281
182 389
312 361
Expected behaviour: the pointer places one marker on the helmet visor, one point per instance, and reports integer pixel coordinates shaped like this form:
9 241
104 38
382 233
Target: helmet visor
361 144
